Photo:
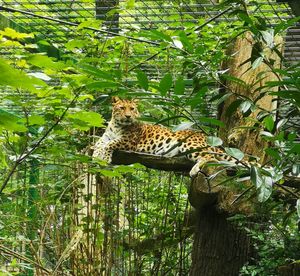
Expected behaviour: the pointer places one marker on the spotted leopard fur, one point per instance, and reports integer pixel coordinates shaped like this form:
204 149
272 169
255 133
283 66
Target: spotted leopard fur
124 132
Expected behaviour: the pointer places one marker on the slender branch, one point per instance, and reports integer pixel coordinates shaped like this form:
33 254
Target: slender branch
36 146
21 257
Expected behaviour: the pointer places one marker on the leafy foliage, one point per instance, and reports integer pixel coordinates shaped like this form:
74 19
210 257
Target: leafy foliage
58 102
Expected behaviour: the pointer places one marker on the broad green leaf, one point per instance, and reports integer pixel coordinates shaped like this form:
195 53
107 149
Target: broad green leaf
233 107
283 25
218 99
186 42
214 141
295 149
45 62
234 80
36 120
269 123
265 189
89 117
211 121
130 4
94 71
110 173
94 23
273 153
161 35
268 37
142 79
75 43
17 79
234 152
11 33
293 95
245 106
257 62
179 86
165 84
255 176
11 122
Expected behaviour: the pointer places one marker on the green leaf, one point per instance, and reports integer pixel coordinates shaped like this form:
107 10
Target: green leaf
94 71
36 120
142 79
130 4
75 43
165 84
295 149
268 37
257 62
179 86
183 126
214 141
298 207
186 42
234 152
11 122
273 153
110 173
255 176
211 121
292 95
233 107
245 106
269 123
17 79
89 117
94 23
265 189
101 85
45 62
234 80
11 33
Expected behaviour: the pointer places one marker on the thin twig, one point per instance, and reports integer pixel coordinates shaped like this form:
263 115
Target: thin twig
24 156
21 257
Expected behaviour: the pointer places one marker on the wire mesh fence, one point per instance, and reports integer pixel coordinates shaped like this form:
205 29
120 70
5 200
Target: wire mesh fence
125 226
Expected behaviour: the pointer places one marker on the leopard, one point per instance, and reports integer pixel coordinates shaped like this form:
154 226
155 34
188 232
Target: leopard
126 132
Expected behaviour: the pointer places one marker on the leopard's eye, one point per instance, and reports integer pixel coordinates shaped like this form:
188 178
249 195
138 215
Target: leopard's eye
131 108
122 107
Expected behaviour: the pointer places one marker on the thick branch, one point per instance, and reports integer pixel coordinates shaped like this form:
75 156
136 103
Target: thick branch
153 161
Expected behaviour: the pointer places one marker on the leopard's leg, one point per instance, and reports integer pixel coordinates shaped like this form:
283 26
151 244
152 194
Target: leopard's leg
105 151
200 165
98 149
109 149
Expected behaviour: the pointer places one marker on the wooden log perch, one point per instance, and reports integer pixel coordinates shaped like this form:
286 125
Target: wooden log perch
177 164
201 193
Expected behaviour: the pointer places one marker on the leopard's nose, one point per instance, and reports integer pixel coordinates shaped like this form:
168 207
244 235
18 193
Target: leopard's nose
128 116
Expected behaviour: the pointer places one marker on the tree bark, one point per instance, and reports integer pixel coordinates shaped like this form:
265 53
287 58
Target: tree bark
220 247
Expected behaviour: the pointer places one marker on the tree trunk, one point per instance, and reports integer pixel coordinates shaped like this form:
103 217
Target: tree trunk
220 247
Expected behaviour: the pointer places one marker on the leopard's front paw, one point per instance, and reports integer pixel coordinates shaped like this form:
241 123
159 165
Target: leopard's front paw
195 170
107 156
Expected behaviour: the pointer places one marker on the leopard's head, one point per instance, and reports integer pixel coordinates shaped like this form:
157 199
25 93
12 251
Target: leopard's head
124 112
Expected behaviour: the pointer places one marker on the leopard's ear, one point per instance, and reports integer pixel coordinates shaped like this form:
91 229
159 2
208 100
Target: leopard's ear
136 101
115 99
